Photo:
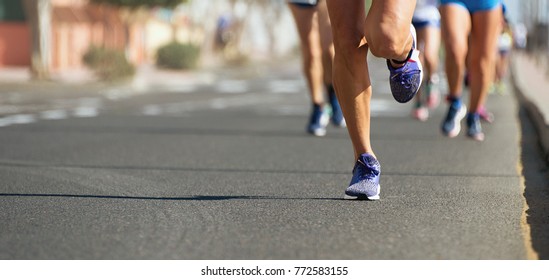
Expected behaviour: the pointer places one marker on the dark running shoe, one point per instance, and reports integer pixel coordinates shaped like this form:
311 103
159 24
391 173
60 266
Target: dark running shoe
451 126
405 81
365 182
337 115
318 121
474 129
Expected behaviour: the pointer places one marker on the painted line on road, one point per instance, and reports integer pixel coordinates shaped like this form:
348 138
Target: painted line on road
54 115
86 112
232 86
286 86
219 103
17 119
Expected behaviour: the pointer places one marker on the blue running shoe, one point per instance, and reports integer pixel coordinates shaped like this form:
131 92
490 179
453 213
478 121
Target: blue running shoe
337 115
318 121
451 126
365 182
474 130
405 81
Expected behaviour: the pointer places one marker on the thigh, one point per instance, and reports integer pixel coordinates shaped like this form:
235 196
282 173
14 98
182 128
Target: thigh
324 27
485 31
347 19
432 39
455 26
428 43
304 19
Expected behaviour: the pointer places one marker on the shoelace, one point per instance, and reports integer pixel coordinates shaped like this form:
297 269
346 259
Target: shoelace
365 172
406 77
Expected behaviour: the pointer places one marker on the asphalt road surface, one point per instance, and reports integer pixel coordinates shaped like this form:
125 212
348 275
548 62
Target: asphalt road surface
221 168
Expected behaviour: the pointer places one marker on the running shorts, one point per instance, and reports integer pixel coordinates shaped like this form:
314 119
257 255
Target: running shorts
426 14
474 6
304 3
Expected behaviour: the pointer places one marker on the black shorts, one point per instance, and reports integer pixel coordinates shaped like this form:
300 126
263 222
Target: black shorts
304 3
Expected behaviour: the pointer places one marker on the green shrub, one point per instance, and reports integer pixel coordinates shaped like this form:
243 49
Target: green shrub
108 64
177 56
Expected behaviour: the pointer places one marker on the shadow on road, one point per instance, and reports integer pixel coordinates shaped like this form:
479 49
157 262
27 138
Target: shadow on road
31 164
536 175
182 198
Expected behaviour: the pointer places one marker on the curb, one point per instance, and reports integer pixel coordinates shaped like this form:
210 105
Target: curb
533 112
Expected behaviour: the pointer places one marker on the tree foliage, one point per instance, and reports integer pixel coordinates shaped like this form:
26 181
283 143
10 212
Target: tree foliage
178 56
141 3
108 64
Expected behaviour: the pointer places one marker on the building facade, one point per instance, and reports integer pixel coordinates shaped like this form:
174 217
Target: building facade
75 26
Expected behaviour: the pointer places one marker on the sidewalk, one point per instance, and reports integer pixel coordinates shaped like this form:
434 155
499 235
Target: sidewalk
147 77
531 85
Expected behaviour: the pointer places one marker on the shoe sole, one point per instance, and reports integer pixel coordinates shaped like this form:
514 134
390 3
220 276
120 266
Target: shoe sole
318 133
324 121
341 124
363 196
457 122
478 137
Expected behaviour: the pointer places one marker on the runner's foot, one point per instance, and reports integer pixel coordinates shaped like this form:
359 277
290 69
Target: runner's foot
474 129
405 80
451 125
318 121
365 182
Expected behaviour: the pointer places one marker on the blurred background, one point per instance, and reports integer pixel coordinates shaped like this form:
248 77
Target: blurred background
113 38
54 36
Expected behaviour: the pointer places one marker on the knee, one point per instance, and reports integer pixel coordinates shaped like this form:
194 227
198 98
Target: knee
309 54
347 43
483 62
483 55
456 54
431 59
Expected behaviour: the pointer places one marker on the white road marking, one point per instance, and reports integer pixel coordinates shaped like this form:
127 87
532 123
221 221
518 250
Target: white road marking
17 119
54 115
232 86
